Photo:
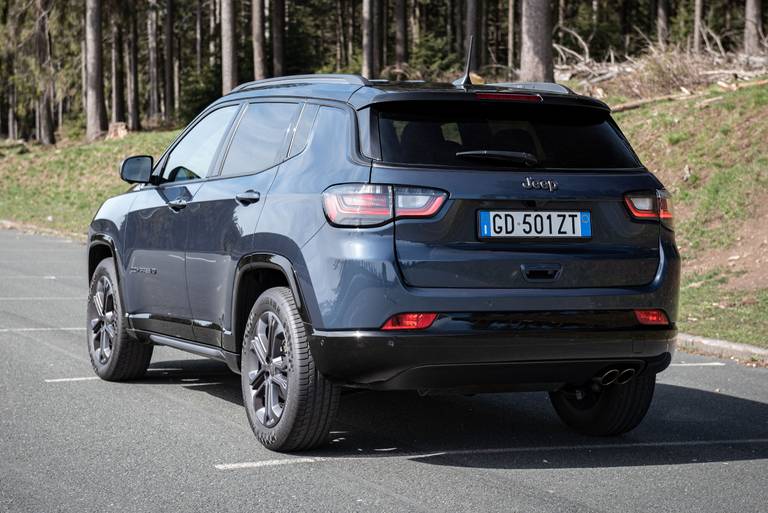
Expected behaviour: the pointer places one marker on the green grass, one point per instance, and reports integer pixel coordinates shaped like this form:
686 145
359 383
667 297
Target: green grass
61 188
709 309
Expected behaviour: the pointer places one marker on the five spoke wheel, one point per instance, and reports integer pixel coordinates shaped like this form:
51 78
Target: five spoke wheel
267 369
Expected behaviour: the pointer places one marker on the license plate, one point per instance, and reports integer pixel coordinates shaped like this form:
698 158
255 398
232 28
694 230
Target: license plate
509 223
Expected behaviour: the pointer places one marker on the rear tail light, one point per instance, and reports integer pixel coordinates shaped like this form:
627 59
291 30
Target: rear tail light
409 321
651 317
656 206
356 205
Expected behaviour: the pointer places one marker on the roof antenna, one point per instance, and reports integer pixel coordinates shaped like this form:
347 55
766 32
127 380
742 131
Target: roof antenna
466 80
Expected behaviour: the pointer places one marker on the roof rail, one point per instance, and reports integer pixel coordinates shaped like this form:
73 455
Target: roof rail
319 78
544 87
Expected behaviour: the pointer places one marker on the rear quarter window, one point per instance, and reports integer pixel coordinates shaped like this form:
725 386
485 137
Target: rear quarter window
568 137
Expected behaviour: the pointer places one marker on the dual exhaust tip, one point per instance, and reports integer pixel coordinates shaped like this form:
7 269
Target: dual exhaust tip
616 377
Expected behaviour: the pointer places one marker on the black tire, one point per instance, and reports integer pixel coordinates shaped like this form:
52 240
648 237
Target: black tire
301 412
614 410
122 357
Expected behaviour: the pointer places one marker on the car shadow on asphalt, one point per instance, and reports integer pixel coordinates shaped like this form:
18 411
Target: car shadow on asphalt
521 431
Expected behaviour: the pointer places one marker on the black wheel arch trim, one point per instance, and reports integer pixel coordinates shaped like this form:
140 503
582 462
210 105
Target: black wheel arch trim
101 239
263 260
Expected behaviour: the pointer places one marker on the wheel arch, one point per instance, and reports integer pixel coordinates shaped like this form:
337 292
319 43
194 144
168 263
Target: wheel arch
256 273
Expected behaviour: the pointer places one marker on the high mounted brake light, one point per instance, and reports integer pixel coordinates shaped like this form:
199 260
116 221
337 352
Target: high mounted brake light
651 206
355 205
510 97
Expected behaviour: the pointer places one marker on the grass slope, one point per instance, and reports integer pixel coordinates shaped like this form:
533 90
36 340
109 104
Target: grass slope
711 152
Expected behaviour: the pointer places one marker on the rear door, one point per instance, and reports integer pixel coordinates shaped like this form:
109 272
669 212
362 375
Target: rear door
224 214
535 196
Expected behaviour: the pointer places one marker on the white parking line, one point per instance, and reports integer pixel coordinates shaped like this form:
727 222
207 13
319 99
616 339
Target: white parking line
26 330
504 450
63 380
38 277
704 364
44 298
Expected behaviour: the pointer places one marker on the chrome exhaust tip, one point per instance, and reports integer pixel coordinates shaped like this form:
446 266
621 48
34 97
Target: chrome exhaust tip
609 377
625 376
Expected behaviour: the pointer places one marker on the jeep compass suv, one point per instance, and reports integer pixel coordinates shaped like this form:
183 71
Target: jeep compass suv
322 231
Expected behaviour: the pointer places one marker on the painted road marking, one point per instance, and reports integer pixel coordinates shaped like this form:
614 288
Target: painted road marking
704 364
44 298
64 380
26 330
471 452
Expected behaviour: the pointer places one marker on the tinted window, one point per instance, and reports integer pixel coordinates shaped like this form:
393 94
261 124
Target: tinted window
258 143
193 155
557 136
303 129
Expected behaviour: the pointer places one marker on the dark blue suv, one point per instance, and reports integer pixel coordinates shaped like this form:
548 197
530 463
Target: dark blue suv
322 231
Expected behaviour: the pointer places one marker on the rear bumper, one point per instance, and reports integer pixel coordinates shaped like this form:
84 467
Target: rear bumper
486 360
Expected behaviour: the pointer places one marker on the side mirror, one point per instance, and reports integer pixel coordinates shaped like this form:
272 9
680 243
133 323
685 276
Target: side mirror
136 169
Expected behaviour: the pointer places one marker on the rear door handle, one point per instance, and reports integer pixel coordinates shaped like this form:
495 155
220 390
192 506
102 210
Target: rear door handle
177 204
248 197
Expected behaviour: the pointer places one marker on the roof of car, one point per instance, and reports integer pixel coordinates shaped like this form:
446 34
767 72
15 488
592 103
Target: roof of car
361 92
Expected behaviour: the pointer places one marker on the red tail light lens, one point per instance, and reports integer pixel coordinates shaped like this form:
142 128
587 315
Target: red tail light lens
651 206
410 321
358 204
651 317
355 205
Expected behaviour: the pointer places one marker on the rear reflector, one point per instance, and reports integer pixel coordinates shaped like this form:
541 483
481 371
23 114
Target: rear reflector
510 97
651 317
410 321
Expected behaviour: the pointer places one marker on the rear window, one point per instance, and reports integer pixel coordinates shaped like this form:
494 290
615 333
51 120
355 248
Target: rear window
567 137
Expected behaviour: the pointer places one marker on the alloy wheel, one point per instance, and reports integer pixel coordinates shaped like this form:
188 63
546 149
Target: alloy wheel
103 320
267 369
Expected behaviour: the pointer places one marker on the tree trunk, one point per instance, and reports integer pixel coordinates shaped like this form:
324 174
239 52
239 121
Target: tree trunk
96 114
43 46
83 75
213 35
367 20
471 29
168 80
118 90
662 22
278 37
536 48
415 22
511 40
176 74
697 14
401 34
154 79
753 27
198 36
377 36
258 40
351 30
228 54
132 63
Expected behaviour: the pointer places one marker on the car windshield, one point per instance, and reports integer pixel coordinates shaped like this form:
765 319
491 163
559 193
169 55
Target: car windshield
462 134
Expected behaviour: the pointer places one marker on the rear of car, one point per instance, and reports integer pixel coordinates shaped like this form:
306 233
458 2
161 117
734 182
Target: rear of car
514 242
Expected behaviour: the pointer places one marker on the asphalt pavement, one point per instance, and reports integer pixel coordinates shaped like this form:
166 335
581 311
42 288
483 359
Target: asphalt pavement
178 440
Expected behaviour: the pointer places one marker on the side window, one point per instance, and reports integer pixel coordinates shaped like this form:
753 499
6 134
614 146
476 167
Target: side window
258 143
303 129
193 155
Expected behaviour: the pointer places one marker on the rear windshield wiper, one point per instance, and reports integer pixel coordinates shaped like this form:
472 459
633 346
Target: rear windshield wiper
519 157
